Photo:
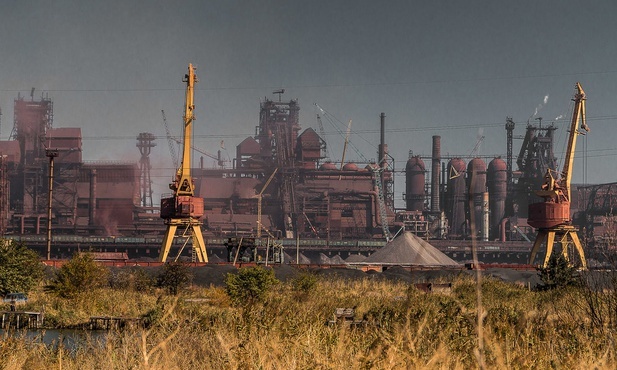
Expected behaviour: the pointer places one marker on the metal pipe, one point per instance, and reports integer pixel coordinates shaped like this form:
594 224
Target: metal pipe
485 217
51 154
382 141
92 200
502 226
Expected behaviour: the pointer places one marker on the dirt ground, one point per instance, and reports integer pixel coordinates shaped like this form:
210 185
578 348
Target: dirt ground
215 274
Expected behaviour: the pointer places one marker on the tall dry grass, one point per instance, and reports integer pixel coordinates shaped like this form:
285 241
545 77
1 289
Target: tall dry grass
404 329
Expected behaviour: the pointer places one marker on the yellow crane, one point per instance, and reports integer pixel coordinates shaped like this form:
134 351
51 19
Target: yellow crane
552 216
259 196
182 208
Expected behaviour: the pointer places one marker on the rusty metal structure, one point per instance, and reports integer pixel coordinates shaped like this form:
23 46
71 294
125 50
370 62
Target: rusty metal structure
282 184
456 197
145 143
415 193
536 156
496 181
88 198
307 197
597 219
476 188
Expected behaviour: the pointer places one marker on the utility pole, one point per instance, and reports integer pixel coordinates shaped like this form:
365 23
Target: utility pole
51 154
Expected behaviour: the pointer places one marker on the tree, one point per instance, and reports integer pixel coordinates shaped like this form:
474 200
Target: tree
249 285
20 267
80 274
557 274
174 276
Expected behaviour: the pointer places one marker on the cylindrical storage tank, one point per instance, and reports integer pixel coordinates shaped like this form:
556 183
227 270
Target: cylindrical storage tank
476 185
456 195
496 182
415 173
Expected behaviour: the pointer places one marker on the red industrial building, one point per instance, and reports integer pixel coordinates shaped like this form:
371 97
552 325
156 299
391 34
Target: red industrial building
88 198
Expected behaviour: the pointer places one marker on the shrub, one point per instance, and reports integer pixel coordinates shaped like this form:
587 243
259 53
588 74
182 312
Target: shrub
249 285
80 274
135 279
304 283
557 274
175 275
20 268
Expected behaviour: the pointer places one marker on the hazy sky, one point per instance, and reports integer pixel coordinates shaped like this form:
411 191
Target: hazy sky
449 68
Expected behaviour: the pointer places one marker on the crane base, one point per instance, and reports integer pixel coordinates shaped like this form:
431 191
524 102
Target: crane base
565 236
192 228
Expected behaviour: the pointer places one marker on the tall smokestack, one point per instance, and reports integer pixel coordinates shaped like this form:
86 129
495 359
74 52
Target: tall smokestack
92 198
436 161
382 141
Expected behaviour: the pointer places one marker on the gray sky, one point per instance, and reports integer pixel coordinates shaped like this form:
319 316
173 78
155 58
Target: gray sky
449 68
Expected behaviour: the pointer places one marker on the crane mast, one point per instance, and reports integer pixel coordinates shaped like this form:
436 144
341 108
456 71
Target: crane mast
183 184
552 216
182 208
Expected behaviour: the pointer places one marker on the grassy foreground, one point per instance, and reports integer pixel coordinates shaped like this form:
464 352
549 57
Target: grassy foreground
405 329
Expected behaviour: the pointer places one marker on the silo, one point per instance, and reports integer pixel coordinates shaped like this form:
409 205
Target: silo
455 210
497 190
476 183
415 173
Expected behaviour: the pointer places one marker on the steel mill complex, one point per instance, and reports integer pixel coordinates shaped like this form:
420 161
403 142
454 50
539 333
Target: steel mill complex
282 185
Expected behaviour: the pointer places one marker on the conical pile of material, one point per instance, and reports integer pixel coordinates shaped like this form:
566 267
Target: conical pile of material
324 260
355 258
337 260
300 258
408 249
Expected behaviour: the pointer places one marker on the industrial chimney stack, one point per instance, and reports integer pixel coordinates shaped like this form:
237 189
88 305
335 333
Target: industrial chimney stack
436 163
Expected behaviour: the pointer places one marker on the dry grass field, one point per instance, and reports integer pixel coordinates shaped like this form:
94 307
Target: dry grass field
398 327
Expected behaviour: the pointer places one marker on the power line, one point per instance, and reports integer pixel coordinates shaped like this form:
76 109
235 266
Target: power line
365 131
312 86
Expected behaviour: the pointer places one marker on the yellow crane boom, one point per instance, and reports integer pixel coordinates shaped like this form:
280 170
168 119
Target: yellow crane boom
578 115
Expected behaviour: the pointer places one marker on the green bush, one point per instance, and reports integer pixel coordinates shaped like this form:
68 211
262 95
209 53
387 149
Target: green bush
304 283
80 274
174 276
20 268
557 274
249 285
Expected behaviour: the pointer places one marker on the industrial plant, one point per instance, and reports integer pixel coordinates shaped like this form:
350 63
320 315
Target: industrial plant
282 185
